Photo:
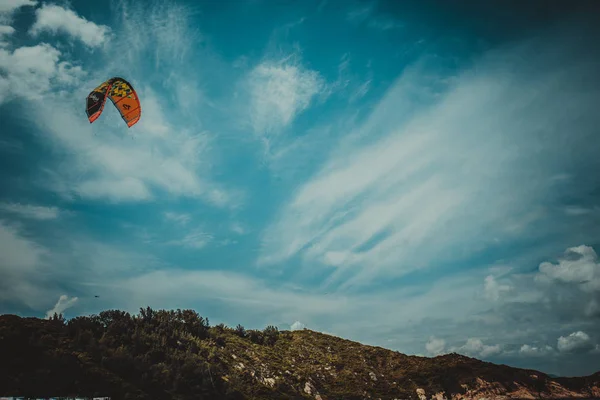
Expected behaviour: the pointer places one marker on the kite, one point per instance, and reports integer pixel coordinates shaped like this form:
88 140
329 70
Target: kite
122 95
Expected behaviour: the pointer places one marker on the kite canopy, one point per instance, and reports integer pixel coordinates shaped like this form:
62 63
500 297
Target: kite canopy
123 96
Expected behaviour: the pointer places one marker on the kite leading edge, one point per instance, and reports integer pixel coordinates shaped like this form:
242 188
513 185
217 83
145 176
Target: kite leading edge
122 95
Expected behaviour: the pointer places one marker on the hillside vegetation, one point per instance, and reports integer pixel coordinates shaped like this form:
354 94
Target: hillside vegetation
178 355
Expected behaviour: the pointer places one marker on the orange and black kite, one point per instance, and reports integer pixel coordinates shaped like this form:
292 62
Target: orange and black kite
123 96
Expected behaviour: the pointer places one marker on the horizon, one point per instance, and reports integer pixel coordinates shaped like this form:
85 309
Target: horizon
420 176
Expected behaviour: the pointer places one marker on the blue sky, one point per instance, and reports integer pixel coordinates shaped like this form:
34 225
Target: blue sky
420 176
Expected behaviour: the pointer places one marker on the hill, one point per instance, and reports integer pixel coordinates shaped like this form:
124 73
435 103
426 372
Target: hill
178 355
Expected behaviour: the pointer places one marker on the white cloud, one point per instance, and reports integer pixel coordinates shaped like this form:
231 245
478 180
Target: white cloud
164 32
117 167
128 281
164 153
279 91
535 351
9 6
30 72
543 305
105 166
118 190
569 287
357 15
63 303
575 342
435 346
238 228
297 326
194 240
31 211
476 347
5 31
179 218
361 91
493 289
375 21
579 266
170 154
413 184
53 18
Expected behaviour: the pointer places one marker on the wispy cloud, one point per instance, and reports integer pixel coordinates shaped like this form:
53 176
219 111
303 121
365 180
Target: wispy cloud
238 228
161 31
409 192
169 155
194 240
114 189
31 211
361 91
257 301
56 19
254 299
179 218
426 210
367 13
63 303
280 90
360 14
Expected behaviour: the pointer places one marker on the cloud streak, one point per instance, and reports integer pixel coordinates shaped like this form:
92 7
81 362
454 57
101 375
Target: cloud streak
178 218
454 179
63 303
31 211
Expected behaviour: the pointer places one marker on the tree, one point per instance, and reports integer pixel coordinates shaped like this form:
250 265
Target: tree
240 331
271 334
58 319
